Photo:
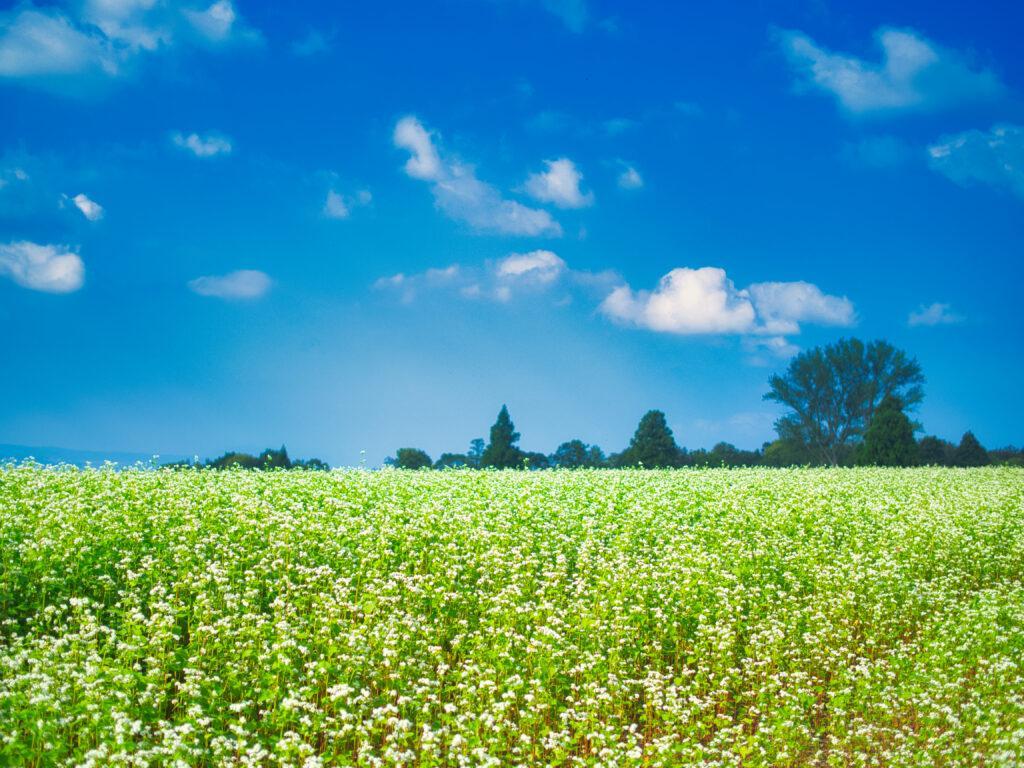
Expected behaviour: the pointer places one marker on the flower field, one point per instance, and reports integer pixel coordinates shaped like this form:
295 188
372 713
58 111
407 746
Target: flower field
461 618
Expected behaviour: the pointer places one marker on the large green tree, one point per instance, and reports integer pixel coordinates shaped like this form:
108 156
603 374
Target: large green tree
970 452
889 439
412 458
502 452
934 451
833 392
653 445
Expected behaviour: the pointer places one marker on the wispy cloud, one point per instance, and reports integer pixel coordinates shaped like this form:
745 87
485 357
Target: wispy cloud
47 45
339 206
913 74
313 43
995 157
573 13
705 301
559 185
629 178
241 284
934 314
460 194
534 273
208 145
47 268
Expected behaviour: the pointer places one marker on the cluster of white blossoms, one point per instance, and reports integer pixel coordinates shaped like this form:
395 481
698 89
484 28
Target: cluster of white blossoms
864 617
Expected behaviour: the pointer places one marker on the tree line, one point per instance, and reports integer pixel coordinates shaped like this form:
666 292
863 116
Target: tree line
267 460
848 404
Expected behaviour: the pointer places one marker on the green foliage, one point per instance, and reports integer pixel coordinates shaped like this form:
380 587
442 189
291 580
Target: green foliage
535 460
454 461
477 446
502 452
722 618
889 439
575 454
412 458
787 452
833 392
652 446
970 452
935 452
268 459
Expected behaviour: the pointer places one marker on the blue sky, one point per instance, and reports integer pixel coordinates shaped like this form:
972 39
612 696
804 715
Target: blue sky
355 226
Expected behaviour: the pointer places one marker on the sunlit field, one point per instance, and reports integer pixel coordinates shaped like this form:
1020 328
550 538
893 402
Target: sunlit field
460 618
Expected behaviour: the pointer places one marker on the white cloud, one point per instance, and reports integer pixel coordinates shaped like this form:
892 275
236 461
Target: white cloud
335 206
914 74
241 284
934 314
92 210
48 268
209 145
542 266
536 272
9 175
424 163
131 22
461 195
219 24
45 44
781 307
630 178
559 185
104 38
705 301
995 157
764 350
686 301
339 206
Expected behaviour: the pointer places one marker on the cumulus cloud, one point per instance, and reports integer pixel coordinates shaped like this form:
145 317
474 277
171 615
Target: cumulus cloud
913 74
542 266
934 314
630 178
47 268
559 185
241 284
424 161
686 301
104 38
460 194
92 210
705 301
995 157
781 307
208 145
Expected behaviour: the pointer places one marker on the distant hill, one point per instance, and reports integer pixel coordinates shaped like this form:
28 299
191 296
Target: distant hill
51 455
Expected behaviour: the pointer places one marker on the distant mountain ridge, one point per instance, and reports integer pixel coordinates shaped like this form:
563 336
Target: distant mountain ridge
79 458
